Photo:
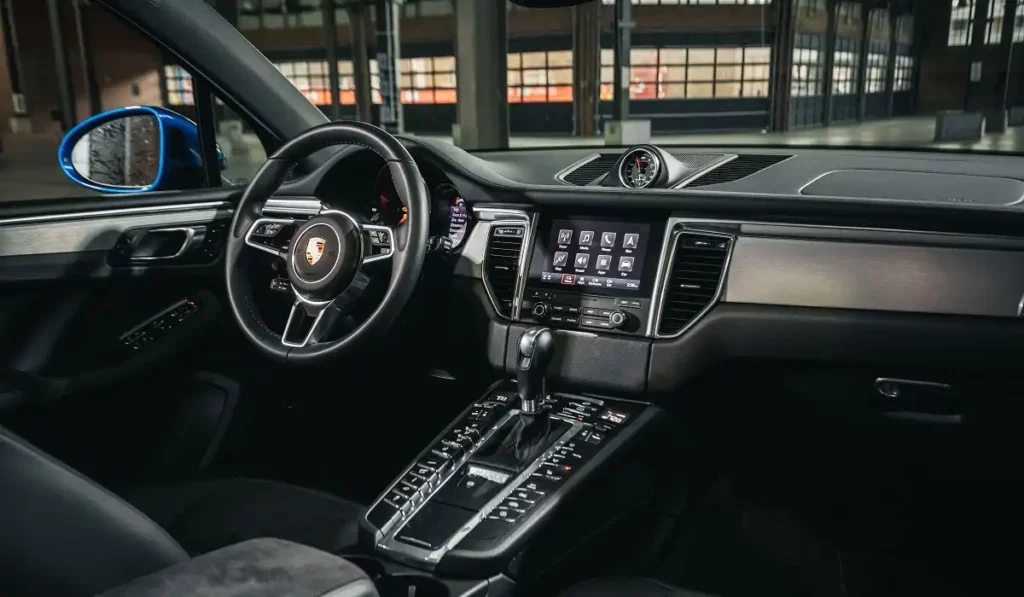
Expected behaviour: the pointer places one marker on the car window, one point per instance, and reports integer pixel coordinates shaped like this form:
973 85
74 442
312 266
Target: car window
122 68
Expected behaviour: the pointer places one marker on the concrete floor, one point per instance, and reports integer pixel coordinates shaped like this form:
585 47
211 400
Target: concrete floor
29 170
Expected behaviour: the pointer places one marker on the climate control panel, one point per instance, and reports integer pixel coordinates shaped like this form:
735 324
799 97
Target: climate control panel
586 312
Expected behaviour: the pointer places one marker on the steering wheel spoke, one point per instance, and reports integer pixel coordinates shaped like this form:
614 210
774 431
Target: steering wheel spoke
380 245
309 323
264 231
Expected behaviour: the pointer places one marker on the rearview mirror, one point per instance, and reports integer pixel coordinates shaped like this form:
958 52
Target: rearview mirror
134 150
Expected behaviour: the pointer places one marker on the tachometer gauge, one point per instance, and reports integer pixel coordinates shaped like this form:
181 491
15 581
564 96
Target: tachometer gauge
639 168
389 209
458 215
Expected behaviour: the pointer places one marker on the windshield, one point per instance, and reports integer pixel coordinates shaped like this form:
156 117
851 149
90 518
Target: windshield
919 74
927 75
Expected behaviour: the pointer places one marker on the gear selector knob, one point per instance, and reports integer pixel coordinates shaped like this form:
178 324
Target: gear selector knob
536 347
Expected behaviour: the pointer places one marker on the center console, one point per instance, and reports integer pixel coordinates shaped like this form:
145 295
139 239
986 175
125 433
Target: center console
472 499
594 274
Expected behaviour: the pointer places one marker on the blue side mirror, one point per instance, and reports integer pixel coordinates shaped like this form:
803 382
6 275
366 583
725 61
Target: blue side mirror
134 150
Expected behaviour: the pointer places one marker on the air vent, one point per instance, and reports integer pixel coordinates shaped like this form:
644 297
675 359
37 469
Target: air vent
697 270
501 267
741 167
590 171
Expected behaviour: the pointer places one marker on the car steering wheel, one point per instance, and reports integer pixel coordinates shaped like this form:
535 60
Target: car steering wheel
330 253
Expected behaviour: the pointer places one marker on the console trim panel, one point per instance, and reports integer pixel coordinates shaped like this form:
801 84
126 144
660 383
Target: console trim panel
389 543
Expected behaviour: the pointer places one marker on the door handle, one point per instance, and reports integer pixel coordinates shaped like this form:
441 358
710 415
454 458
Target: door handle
152 244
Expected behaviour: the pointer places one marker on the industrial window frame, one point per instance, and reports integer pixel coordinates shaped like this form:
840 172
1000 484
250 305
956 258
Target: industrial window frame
670 78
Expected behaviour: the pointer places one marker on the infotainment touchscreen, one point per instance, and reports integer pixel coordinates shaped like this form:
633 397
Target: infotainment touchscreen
593 255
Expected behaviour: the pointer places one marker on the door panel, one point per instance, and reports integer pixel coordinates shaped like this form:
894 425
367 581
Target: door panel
80 312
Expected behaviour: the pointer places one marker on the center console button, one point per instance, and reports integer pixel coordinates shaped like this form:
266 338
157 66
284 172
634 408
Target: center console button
525 495
396 498
422 470
590 311
413 480
505 514
406 491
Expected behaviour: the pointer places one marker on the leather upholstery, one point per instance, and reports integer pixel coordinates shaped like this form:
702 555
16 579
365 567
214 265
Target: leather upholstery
627 587
62 534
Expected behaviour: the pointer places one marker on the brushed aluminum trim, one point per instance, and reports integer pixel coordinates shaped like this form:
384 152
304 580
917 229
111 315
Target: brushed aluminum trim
117 212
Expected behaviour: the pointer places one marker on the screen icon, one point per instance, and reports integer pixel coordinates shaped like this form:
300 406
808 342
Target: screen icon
604 262
568 279
625 264
561 258
630 241
582 259
586 238
608 239
564 237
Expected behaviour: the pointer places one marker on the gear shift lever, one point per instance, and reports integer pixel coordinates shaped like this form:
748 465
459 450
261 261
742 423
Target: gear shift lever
536 347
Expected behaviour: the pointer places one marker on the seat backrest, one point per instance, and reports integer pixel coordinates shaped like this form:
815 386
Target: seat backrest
62 534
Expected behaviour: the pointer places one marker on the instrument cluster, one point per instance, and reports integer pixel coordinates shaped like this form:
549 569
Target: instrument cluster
450 218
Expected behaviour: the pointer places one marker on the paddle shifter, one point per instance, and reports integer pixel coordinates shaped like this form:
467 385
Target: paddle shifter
536 347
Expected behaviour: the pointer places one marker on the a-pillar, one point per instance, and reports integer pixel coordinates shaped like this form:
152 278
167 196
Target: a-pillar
481 66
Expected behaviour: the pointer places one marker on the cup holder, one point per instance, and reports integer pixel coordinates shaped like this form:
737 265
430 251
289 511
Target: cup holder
410 585
373 568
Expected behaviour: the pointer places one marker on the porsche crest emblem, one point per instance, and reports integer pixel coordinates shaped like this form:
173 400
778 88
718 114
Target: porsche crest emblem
314 250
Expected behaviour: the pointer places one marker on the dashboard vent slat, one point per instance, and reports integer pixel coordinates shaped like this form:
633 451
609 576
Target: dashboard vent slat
501 266
697 269
741 167
592 170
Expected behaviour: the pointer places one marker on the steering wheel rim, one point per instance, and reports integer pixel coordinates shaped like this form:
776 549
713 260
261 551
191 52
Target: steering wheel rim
344 260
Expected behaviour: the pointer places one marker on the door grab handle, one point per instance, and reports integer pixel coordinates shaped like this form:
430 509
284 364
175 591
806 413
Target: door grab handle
193 236
891 387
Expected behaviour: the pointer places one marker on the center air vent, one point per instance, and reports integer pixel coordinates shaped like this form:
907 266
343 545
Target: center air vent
733 170
501 264
697 270
589 171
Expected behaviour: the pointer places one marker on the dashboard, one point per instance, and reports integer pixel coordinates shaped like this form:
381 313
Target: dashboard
652 262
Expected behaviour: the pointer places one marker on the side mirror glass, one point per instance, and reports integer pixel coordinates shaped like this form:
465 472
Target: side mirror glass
134 150
123 153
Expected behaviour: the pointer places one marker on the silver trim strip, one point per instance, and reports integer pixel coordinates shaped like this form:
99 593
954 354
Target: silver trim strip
487 217
728 158
907 382
561 174
296 206
124 211
309 334
660 301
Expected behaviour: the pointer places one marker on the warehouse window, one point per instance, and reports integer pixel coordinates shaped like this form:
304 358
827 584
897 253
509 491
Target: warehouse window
994 21
540 76
1018 23
961 21
876 73
309 77
845 66
680 72
428 80
903 78
347 82
284 14
808 66
179 86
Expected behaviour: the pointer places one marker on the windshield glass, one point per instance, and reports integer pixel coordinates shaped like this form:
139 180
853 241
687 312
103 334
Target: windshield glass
912 73
489 75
